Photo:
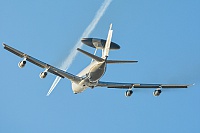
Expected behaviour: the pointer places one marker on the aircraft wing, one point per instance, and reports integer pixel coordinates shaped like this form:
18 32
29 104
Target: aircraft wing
41 64
136 85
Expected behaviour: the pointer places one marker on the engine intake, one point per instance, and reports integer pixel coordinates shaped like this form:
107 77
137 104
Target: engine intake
21 64
43 75
157 93
128 93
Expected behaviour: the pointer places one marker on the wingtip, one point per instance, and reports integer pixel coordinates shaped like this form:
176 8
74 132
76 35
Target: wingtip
190 85
3 44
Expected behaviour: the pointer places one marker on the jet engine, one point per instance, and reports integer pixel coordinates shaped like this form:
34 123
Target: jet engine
157 93
43 75
128 93
21 64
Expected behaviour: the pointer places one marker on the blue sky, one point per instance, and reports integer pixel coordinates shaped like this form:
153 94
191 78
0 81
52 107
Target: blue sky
162 35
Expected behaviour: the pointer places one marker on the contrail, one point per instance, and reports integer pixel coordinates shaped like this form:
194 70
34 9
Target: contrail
68 61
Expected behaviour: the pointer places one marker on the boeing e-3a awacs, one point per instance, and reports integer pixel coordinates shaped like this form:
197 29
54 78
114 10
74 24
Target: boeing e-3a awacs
91 75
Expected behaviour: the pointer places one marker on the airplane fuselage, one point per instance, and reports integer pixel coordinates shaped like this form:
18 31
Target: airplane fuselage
90 76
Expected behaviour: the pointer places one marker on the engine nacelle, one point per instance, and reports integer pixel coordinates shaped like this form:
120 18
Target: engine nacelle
21 64
128 93
157 93
43 75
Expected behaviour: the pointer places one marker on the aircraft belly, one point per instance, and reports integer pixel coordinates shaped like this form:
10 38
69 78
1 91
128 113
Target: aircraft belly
87 69
97 72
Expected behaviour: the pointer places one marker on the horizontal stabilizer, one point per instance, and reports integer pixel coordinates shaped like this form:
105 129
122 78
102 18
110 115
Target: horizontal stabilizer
120 61
98 59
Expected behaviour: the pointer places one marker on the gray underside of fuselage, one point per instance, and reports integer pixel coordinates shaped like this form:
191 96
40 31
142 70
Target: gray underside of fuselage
94 71
97 71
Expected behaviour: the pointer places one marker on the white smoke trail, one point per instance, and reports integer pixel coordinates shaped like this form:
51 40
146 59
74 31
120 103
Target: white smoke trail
68 61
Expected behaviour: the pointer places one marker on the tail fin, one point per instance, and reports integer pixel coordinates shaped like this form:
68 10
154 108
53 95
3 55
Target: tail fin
108 41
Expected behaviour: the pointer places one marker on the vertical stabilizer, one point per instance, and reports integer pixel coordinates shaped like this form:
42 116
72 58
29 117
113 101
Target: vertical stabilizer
108 41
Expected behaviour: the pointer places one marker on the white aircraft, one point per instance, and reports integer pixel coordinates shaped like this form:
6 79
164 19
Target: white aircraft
90 76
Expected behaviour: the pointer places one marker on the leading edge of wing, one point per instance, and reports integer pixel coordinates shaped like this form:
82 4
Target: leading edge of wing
41 64
136 85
